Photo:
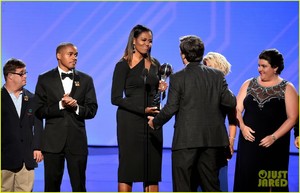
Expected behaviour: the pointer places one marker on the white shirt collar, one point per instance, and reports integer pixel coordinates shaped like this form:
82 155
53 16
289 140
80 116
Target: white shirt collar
60 71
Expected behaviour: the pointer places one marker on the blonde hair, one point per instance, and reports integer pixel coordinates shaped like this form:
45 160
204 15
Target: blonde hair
219 62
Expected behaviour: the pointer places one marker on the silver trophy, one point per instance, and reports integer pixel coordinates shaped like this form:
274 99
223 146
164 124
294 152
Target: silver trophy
164 71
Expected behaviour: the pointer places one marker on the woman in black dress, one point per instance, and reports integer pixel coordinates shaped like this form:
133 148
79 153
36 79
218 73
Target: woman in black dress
270 107
135 83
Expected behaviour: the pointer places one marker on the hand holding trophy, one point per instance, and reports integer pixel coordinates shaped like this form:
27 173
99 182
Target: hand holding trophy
164 71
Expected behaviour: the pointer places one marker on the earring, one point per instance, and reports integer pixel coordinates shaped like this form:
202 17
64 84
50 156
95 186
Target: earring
133 51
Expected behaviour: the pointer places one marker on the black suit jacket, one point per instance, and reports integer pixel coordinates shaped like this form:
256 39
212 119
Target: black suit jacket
65 126
19 135
195 96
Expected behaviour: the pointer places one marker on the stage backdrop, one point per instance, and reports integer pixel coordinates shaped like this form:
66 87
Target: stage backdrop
239 30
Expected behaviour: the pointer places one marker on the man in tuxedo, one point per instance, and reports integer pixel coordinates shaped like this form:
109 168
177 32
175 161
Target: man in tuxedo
66 97
20 130
195 96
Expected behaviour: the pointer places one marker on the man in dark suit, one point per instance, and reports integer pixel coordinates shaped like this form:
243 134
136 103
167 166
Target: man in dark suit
66 97
195 96
20 131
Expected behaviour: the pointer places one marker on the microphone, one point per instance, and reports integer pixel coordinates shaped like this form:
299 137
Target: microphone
145 74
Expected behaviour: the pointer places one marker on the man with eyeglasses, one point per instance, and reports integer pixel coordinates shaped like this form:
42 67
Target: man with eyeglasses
20 130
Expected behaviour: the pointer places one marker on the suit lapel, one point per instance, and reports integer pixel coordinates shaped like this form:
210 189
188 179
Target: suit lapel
25 102
76 83
10 103
58 83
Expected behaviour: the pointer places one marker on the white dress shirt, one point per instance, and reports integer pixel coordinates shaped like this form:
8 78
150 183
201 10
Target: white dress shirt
67 85
67 82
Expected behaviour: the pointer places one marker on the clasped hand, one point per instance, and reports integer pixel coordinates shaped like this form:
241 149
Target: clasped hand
151 110
68 102
150 121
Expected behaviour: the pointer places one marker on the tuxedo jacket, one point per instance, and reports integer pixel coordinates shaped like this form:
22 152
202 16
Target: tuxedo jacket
65 127
196 95
19 135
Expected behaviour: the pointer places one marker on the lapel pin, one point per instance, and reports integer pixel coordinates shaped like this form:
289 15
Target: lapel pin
29 113
76 83
25 98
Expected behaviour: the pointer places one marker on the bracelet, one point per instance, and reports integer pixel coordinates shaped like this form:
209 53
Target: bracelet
231 137
273 137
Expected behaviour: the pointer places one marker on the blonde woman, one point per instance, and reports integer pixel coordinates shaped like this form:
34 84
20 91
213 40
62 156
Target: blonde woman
218 61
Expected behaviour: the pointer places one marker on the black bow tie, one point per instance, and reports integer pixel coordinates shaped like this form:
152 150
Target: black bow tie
64 75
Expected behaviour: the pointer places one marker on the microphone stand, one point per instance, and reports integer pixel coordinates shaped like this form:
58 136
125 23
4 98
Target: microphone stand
146 132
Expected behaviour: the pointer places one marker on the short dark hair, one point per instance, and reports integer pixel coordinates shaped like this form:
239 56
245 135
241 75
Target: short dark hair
192 47
62 45
274 57
11 65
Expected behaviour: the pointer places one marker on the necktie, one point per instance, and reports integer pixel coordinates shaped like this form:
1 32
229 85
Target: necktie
64 75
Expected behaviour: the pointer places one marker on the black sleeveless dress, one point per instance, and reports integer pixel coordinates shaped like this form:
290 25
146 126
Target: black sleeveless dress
260 169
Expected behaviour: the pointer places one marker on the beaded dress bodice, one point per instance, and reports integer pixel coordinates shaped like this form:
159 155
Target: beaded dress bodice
263 95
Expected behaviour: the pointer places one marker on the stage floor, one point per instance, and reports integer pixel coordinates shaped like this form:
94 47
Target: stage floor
103 165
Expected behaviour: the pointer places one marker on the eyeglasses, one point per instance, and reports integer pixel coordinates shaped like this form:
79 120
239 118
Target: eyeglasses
20 73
